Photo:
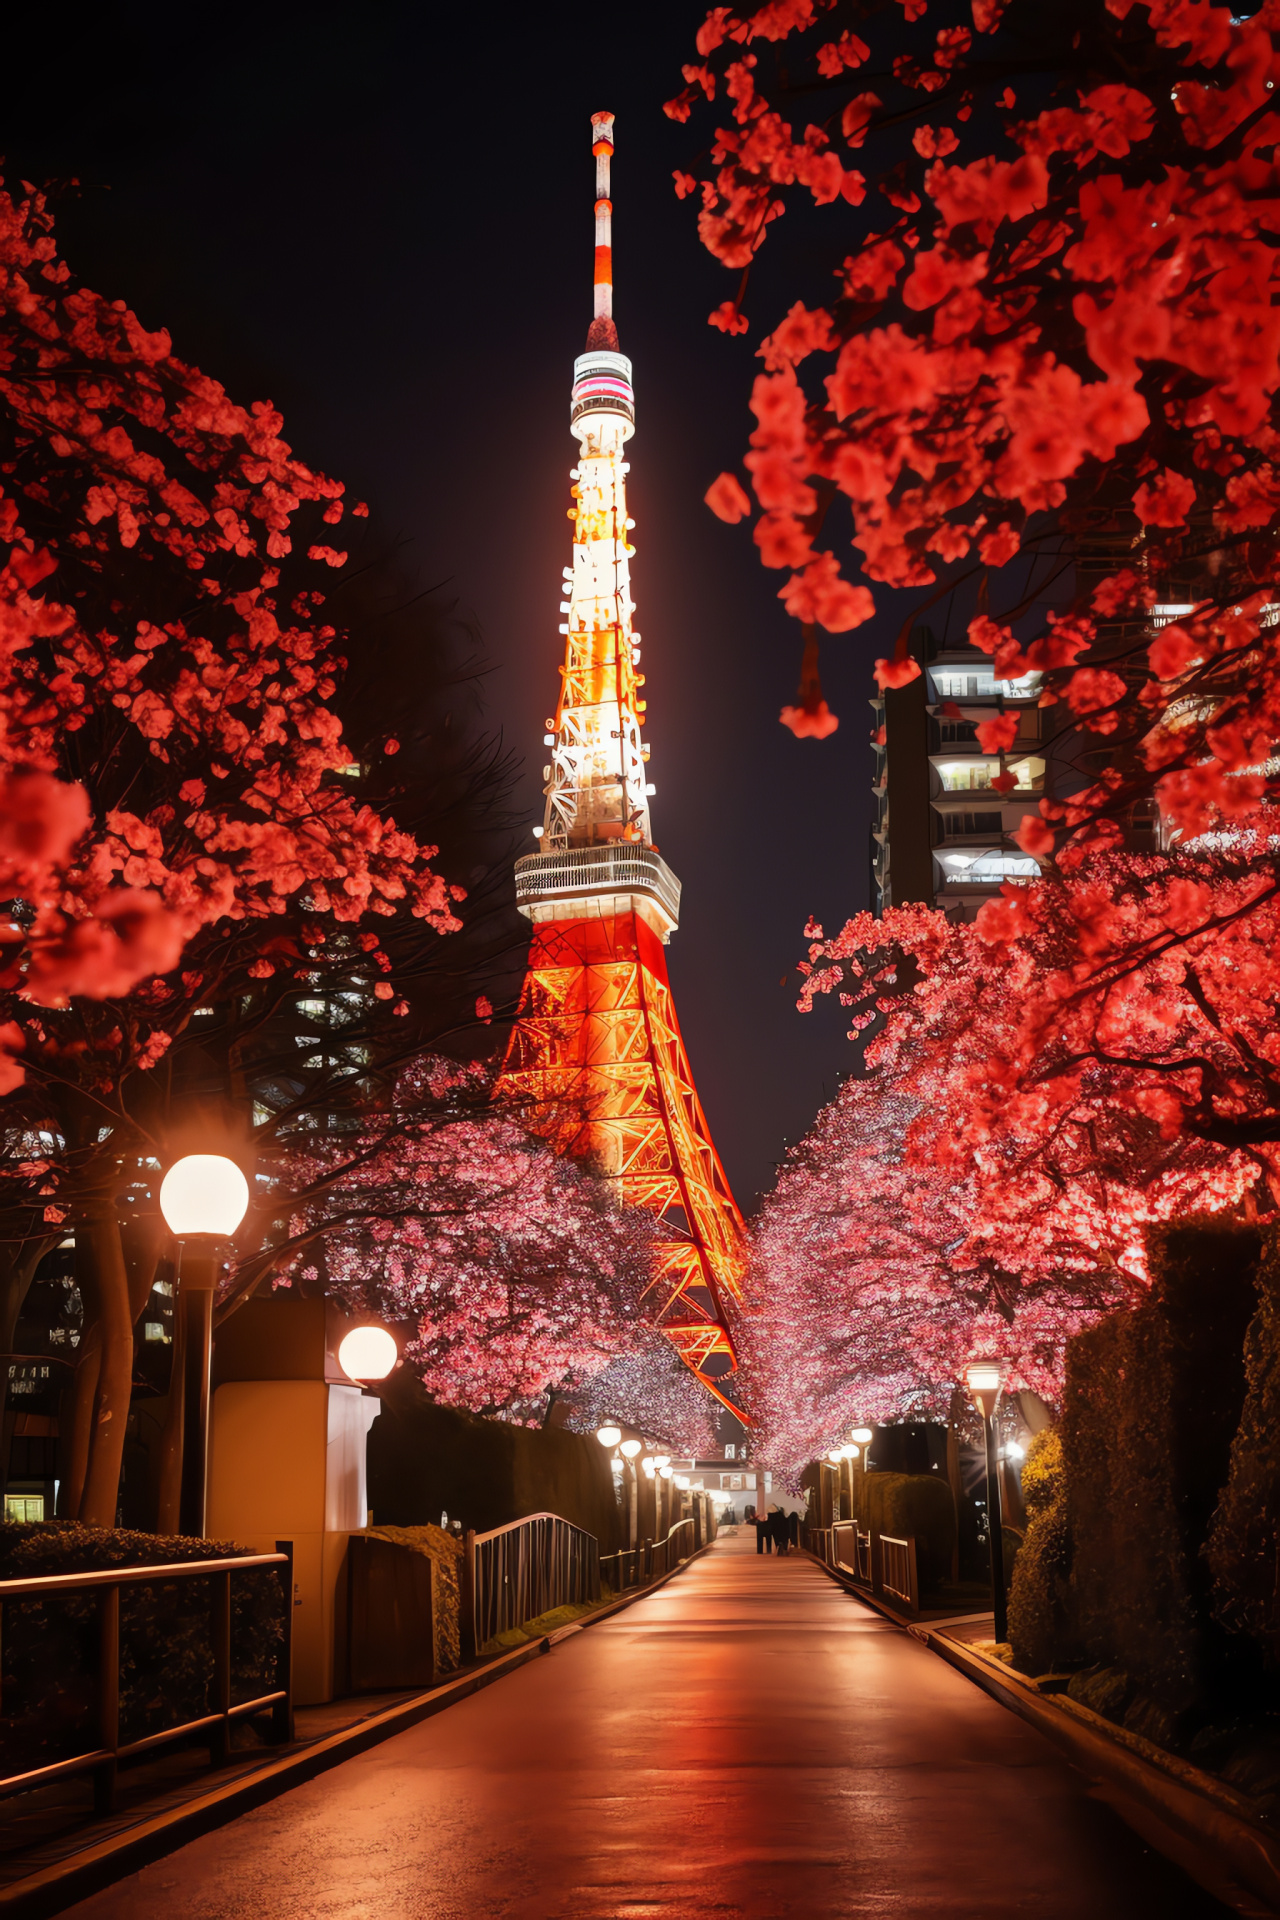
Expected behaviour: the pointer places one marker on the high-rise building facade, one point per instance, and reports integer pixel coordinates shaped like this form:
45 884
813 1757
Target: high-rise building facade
942 834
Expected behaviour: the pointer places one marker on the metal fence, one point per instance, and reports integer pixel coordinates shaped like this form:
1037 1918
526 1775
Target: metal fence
898 1571
516 1573
103 1759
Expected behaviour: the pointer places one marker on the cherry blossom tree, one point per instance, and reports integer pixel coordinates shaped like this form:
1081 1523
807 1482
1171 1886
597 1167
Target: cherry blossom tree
1065 330
522 1273
930 1215
1059 359
187 831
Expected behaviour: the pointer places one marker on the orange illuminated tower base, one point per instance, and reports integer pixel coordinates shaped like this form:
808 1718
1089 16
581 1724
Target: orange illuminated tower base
598 1060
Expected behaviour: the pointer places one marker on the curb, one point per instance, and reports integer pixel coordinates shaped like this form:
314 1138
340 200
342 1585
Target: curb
1199 1823
54 1888
1153 1791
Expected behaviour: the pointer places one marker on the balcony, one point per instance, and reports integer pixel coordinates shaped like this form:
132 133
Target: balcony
976 776
980 683
986 869
586 873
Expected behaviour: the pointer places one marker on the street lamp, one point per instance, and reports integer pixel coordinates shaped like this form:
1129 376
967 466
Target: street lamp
984 1379
203 1197
630 1448
367 1353
608 1435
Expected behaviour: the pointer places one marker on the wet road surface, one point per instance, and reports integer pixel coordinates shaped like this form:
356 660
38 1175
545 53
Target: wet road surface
750 1743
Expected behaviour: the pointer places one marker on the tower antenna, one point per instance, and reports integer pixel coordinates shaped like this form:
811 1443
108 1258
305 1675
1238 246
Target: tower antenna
602 331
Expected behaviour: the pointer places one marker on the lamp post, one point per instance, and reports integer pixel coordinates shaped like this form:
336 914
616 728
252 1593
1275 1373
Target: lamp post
367 1354
984 1379
203 1198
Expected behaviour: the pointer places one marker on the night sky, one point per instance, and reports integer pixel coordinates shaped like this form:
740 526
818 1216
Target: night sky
381 219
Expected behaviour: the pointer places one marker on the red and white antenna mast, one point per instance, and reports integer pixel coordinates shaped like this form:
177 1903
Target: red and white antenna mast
603 333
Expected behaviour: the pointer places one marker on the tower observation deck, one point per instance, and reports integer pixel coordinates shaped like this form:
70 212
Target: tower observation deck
596 1055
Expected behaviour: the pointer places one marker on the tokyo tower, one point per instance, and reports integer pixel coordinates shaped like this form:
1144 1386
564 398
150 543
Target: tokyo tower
596 1056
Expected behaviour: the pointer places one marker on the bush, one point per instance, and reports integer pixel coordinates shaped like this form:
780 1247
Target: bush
1039 1599
906 1505
446 1555
1152 1401
48 1660
1243 1551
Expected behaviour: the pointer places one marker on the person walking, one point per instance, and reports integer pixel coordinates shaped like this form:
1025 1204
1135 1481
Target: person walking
793 1529
761 1523
778 1529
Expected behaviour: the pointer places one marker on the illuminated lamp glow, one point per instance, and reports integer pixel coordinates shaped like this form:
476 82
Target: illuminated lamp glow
630 1448
204 1193
661 1460
608 1436
367 1353
664 1473
682 1481
863 1436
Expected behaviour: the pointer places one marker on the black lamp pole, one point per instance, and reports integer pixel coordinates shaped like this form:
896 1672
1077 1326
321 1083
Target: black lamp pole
995 1529
984 1381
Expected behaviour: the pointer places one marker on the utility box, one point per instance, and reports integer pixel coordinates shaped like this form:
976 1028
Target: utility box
287 1462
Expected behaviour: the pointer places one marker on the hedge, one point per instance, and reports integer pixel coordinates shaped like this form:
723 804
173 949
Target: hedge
911 1504
1243 1551
446 1554
1152 1401
1040 1629
48 1650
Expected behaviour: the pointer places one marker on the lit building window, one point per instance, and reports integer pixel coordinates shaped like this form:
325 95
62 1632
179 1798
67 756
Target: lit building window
987 869
967 776
24 1507
955 683
154 1330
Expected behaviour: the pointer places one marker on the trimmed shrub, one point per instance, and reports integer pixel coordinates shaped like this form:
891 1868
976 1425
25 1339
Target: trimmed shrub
1243 1550
1039 1598
446 1554
906 1505
48 1661
1152 1401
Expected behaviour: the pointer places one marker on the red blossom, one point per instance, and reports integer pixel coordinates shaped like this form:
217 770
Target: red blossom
728 498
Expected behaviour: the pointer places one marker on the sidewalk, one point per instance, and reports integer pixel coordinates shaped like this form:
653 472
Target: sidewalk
750 1742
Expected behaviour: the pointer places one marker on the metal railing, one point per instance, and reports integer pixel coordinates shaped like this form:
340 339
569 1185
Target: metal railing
516 1573
898 1570
662 1555
637 1566
844 1546
103 1760
623 1569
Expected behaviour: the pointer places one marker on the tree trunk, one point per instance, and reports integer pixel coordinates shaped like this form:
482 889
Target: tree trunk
84 1390
169 1506
115 1368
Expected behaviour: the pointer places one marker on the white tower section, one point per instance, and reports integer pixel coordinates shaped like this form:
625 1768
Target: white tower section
595 837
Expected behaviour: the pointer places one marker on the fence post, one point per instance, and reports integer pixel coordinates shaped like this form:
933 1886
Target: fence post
104 1779
467 1596
282 1712
220 1638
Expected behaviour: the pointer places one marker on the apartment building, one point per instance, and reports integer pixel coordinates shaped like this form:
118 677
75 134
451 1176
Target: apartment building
942 834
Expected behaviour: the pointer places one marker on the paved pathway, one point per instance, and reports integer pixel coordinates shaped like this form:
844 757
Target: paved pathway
750 1743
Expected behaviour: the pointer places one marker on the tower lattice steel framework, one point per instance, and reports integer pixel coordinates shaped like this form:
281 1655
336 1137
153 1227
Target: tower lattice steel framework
596 1055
